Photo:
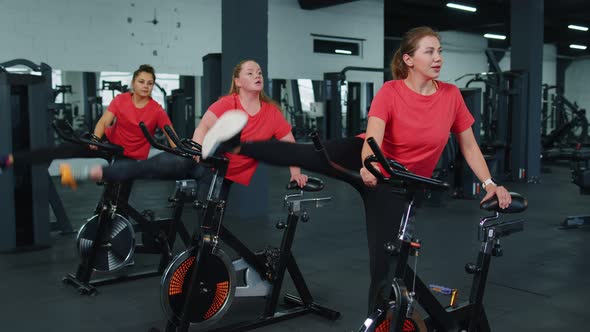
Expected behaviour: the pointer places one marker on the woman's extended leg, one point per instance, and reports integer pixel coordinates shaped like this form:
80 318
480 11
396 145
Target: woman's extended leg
383 213
164 166
344 152
48 154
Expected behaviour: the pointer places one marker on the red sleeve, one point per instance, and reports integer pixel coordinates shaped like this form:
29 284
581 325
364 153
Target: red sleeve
381 105
163 118
115 105
282 127
463 118
222 105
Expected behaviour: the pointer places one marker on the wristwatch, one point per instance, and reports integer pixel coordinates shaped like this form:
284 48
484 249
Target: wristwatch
488 182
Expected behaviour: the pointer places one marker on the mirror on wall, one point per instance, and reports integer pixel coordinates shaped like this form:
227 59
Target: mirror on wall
309 105
80 98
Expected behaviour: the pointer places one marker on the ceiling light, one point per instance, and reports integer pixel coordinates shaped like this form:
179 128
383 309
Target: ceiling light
461 7
578 47
577 27
343 51
494 36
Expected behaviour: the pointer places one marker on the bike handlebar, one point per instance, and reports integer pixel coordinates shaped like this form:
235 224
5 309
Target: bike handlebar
184 147
157 145
107 147
400 176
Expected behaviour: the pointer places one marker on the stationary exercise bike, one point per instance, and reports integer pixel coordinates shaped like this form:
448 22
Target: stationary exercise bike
199 286
107 242
408 290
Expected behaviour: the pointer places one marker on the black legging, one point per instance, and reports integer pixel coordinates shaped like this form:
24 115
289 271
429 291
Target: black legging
67 151
62 151
383 208
164 166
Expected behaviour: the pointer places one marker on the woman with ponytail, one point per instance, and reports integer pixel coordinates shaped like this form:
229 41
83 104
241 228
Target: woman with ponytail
128 109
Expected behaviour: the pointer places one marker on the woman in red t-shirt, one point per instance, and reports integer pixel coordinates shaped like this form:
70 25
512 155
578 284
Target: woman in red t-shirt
129 109
410 118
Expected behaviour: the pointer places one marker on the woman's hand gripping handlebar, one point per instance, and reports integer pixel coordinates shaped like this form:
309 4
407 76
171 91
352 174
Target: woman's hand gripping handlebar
86 139
399 176
186 145
161 147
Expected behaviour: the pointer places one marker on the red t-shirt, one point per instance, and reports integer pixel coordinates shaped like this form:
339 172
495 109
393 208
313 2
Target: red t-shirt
266 124
126 132
417 127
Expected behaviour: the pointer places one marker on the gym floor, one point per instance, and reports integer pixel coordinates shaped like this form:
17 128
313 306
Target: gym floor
541 283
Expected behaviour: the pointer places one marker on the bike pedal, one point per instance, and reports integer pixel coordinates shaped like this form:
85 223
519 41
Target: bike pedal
452 292
472 268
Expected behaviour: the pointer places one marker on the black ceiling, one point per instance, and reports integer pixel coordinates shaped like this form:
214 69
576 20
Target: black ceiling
491 16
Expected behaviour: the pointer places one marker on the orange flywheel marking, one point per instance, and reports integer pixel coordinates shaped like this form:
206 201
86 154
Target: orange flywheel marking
221 293
179 275
384 326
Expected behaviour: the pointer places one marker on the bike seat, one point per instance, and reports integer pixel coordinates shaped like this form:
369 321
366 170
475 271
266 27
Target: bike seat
313 184
519 204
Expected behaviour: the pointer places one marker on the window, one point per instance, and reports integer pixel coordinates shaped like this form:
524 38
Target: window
337 45
56 79
111 76
305 94
167 82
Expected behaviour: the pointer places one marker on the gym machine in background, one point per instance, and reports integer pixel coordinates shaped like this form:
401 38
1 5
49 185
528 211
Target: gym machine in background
25 192
94 109
63 110
180 106
563 124
300 101
503 120
342 103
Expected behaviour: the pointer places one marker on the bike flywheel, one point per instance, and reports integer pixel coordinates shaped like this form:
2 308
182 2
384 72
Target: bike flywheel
114 248
216 288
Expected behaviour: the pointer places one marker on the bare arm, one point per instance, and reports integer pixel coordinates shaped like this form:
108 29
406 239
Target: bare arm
295 171
207 121
375 129
168 137
473 155
105 120
478 165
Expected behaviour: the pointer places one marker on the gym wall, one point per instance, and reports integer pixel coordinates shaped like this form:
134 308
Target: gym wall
94 35
576 83
290 43
462 53
91 35
549 63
